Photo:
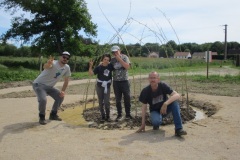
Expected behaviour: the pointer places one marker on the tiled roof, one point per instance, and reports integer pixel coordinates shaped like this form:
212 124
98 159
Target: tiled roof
200 54
181 54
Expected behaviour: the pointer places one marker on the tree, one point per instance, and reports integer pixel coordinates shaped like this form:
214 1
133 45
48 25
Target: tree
233 45
206 46
9 50
172 44
217 47
23 51
54 25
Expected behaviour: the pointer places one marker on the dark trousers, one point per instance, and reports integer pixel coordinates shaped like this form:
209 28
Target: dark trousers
42 91
122 88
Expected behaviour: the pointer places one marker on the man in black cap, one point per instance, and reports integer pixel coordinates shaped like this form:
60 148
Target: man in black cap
44 84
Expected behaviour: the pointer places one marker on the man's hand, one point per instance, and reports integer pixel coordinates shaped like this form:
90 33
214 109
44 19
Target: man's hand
62 94
164 109
50 60
141 129
49 63
117 56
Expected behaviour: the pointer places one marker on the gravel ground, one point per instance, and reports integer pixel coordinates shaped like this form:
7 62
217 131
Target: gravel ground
215 137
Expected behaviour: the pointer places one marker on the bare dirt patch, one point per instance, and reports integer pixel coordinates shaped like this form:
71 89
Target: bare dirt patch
15 84
216 136
92 115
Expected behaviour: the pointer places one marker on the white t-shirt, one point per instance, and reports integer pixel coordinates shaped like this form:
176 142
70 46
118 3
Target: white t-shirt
52 75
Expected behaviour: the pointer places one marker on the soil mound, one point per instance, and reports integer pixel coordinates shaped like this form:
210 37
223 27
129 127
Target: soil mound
92 115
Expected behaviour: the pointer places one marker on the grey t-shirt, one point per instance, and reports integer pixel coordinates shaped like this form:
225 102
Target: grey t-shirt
51 76
119 72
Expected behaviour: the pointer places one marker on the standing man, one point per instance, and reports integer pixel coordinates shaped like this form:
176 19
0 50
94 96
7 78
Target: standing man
44 84
121 85
156 95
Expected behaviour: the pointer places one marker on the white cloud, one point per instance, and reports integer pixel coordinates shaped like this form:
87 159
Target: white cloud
194 21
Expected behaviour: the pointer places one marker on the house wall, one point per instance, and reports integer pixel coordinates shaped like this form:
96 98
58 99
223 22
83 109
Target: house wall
185 56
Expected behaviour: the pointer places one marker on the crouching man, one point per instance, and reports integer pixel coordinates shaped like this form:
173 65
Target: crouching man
156 95
44 84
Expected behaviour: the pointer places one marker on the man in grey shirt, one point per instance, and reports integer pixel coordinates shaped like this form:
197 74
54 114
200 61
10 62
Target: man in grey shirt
44 84
121 85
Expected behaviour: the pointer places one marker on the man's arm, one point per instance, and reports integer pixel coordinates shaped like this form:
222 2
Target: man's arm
173 97
124 64
64 87
144 110
49 63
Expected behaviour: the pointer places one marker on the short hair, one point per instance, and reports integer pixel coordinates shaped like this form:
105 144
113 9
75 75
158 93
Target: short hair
154 72
106 55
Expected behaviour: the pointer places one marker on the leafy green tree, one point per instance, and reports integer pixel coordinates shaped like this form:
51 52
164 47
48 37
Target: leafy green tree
1 50
196 48
172 44
23 51
233 45
187 50
163 51
54 25
133 50
217 47
9 50
206 46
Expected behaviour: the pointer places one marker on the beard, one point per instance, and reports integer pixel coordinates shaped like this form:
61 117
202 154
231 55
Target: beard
64 62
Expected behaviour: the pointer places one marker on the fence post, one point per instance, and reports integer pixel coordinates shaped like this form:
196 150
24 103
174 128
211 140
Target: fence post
207 62
41 63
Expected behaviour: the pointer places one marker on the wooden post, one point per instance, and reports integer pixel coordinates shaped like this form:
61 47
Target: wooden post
41 63
237 60
207 62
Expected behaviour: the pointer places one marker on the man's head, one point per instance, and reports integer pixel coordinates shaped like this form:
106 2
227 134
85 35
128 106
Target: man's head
65 56
115 49
153 78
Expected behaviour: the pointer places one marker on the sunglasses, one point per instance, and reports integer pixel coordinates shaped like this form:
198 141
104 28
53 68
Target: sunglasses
106 59
64 57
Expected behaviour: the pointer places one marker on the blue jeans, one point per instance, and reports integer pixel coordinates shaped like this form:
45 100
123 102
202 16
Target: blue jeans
156 117
42 91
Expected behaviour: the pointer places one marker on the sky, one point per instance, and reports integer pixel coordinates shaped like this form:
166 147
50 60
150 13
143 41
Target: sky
158 21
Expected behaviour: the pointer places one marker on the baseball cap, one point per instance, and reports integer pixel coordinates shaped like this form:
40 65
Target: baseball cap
115 48
66 53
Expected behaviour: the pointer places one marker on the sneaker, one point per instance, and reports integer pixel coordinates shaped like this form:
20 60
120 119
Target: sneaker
119 118
155 127
102 120
128 117
108 119
180 132
54 117
42 121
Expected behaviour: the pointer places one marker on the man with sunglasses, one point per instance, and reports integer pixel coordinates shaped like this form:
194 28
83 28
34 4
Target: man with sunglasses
44 84
121 85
